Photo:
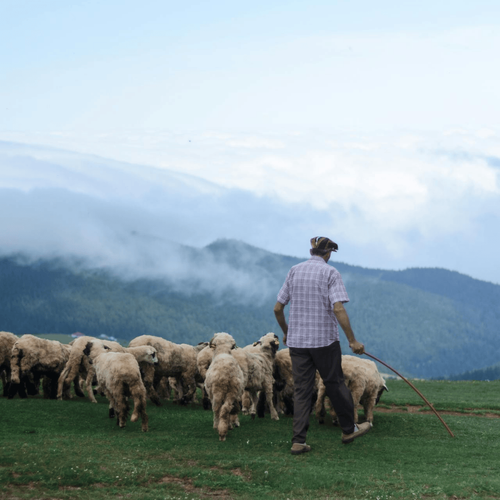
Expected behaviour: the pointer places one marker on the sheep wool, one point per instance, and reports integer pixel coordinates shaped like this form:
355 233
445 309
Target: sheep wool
7 341
36 357
224 383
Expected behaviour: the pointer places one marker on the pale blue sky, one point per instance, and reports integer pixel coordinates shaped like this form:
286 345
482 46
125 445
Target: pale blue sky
369 121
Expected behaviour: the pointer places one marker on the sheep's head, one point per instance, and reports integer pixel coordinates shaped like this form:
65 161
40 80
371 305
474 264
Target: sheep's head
380 391
270 340
222 338
94 348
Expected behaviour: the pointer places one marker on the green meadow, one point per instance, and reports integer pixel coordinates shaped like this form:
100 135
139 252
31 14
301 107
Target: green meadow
71 449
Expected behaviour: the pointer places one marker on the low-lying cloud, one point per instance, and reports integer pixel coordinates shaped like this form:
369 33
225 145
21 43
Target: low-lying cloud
392 206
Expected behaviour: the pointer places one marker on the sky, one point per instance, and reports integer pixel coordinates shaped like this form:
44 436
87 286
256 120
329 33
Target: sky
373 123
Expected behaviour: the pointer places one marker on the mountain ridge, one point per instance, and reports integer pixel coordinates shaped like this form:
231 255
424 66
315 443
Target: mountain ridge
417 320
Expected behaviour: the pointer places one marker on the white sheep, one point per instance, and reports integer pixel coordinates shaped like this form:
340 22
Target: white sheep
204 359
365 383
174 360
179 385
260 372
224 383
33 358
119 377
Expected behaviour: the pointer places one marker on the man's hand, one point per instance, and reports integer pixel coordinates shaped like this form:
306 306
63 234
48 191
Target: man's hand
357 347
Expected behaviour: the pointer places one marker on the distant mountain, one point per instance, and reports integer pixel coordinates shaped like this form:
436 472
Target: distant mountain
424 322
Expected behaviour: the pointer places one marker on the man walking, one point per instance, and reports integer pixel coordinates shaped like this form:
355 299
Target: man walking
317 295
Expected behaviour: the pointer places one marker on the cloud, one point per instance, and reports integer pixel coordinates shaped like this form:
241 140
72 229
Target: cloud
390 202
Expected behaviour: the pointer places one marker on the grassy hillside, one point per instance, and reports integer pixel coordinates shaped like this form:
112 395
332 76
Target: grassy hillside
71 449
424 322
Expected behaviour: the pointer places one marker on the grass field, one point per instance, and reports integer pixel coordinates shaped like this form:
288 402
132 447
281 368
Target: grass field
71 449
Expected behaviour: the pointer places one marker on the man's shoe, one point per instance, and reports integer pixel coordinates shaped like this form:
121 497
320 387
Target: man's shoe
297 448
359 430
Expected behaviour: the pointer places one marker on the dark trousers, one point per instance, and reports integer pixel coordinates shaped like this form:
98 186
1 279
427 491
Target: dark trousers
328 362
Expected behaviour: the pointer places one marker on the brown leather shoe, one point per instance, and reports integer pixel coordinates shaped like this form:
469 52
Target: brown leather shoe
362 429
297 448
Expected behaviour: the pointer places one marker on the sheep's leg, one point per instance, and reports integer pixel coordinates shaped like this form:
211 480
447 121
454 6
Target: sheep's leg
254 396
61 383
246 403
320 404
77 386
261 405
216 407
234 421
139 396
368 405
269 396
88 383
207 404
223 425
6 382
120 404
357 392
191 389
149 379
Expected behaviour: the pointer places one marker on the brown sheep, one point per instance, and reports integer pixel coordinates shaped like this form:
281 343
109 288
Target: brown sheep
174 360
224 384
37 357
119 377
7 341
366 385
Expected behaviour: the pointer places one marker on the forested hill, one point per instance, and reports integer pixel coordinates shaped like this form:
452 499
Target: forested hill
425 322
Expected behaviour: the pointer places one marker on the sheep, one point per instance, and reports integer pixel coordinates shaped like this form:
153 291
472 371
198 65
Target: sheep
224 383
79 364
364 381
283 386
119 377
174 360
179 384
37 357
7 341
204 359
260 372
76 366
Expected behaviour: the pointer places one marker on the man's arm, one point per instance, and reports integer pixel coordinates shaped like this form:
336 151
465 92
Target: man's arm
279 312
343 319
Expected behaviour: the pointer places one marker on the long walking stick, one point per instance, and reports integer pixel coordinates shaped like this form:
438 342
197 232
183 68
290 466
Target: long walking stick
414 388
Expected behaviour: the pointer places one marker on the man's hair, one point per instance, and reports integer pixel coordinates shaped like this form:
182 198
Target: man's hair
317 251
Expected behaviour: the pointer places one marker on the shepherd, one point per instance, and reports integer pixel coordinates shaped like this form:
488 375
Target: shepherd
317 295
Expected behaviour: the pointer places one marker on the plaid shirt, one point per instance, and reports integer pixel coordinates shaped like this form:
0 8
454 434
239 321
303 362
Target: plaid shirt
311 288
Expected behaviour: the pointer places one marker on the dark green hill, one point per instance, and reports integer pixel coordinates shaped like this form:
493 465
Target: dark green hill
424 322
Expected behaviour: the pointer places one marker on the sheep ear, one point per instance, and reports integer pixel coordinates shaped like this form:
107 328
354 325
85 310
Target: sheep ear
233 347
211 343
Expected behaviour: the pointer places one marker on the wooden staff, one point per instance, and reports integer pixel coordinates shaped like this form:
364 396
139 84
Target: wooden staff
414 388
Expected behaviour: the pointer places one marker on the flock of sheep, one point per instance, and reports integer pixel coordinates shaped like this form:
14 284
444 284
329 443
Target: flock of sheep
250 380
